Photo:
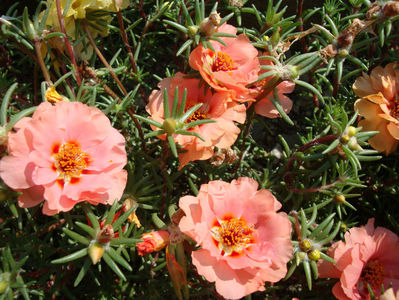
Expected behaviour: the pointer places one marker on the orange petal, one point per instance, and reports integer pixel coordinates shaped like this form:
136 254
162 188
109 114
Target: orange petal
393 130
362 86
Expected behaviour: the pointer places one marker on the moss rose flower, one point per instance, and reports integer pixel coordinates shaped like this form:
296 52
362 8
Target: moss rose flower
63 155
369 256
229 68
244 241
379 105
219 107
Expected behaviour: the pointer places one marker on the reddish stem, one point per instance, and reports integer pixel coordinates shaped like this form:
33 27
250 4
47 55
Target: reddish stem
68 45
289 176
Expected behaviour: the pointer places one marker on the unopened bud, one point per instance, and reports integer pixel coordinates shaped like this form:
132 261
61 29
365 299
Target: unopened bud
105 234
345 139
127 204
342 53
314 255
352 131
169 125
305 245
193 29
210 24
96 251
339 198
3 286
152 241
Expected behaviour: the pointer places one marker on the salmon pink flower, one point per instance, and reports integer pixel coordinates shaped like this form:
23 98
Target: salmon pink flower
218 107
244 241
369 256
379 105
229 68
264 106
63 155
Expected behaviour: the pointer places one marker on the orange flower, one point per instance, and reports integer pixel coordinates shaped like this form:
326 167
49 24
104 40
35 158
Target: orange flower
379 106
229 68
218 106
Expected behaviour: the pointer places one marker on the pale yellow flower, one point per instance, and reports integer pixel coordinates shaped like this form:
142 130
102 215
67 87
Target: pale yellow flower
79 9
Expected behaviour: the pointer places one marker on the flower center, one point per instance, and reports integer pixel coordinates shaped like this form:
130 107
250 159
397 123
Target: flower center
197 115
222 62
70 160
394 106
233 235
373 274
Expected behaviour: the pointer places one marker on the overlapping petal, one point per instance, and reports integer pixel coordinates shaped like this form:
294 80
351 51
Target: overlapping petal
34 165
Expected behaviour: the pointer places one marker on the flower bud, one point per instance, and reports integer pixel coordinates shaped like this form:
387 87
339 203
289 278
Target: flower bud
342 53
53 97
352 131
339 198
169 125
3 286
96 251
353 144
305 245
314 255
193 29
345 139
105 234
210 24
152 241
127 204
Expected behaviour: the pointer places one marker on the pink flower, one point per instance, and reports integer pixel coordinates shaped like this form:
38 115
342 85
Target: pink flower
153 241
218 107
265 107
244 241
368 256
63 155
229 68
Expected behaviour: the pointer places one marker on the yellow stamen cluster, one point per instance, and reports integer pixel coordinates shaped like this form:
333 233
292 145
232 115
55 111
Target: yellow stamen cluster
70 160
394 106
198 115
233 235
222 62
373 274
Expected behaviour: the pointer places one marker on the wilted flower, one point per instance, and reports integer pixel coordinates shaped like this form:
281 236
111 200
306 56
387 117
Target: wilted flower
244 241
229 68
369 256
152 241
53 96
63 155
379 105
218 107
